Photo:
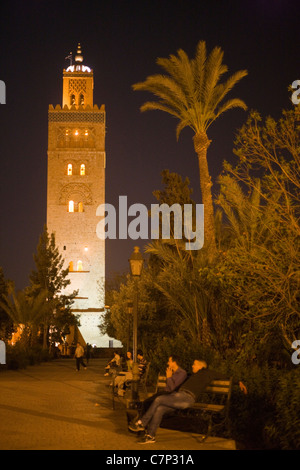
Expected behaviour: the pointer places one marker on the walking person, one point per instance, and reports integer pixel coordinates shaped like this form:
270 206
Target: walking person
79 353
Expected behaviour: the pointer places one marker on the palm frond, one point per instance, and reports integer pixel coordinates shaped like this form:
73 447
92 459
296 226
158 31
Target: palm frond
213 71
223 89
191 89
230 104
166 89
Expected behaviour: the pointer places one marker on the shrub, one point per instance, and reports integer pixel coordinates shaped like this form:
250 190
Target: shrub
19 357
284 429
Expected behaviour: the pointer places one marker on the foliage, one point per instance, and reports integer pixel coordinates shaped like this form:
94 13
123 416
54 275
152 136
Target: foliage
6 324
25 311
18 357
50 276
191 90
283 429
240 309
260 272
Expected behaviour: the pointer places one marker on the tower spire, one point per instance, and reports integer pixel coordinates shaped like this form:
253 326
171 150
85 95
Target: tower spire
79 57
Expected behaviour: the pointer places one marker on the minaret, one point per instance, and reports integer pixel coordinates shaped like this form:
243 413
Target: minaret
76 187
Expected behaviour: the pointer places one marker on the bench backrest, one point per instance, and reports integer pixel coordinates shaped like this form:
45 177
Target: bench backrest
161 383
219 387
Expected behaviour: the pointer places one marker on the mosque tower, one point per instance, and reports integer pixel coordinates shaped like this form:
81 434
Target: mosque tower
76 187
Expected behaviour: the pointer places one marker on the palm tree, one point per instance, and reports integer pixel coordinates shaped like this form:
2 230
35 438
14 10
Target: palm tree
191 91
26 311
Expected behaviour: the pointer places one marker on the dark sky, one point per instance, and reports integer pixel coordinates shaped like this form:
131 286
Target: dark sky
121 41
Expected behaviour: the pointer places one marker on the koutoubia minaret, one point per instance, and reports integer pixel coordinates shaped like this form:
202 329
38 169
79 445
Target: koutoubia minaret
76 187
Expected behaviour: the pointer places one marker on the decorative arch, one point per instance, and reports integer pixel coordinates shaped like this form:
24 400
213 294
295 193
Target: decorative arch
77 192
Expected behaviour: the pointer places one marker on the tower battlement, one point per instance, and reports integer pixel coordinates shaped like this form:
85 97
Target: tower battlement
89 108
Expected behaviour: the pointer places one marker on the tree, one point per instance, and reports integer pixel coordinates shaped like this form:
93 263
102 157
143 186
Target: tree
50 276
6 325
191 91
25 311
260 271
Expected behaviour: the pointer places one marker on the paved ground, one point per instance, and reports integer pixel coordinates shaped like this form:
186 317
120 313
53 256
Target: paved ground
54 407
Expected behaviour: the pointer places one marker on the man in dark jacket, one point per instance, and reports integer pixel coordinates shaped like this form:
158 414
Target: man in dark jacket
187 394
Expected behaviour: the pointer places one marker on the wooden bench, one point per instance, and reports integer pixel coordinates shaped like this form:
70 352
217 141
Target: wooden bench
214 404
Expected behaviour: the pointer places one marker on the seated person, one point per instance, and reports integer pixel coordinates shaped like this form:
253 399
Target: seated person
189 392
175 376
114 365
121 380
142 363
122 377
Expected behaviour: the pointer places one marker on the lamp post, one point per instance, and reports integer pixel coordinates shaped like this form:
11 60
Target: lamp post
129 316
136 265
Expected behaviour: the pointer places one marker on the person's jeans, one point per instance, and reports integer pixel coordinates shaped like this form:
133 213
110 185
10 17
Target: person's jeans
162 405
79 360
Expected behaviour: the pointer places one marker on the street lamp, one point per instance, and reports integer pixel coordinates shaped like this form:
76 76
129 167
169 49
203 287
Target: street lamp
136 265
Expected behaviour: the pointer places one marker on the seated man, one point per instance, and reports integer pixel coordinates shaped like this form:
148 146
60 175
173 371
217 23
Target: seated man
185 397
175 376
114 364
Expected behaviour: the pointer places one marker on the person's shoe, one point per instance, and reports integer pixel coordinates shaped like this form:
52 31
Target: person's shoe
147 439
136 427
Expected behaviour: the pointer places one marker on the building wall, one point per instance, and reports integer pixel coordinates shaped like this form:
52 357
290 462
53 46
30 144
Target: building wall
76 144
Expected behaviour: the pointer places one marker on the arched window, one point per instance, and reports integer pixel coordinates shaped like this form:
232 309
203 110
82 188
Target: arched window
72 100
71 266
80 207
82 169
70 169
81 99
71 206
79 265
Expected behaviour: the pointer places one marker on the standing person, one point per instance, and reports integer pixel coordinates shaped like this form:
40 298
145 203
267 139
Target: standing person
88 352
79 353
187 394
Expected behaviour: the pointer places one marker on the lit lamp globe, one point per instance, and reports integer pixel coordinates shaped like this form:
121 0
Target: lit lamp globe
136 262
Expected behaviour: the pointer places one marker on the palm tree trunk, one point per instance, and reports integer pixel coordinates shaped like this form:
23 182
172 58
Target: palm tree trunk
201 144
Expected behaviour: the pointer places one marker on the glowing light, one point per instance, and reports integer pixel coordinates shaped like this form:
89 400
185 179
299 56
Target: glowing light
82 68
71 206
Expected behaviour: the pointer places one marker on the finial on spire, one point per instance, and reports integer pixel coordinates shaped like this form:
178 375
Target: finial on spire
70 57
79 57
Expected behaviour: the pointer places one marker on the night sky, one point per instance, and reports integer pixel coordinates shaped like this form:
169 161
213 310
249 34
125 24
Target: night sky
120 41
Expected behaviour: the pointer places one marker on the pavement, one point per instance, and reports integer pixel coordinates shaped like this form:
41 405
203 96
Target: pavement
51 406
